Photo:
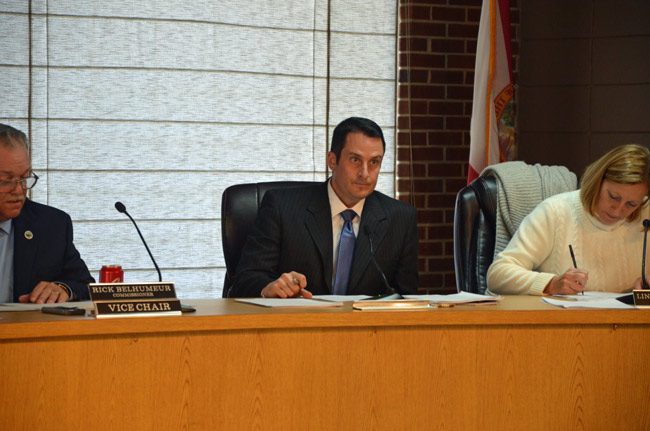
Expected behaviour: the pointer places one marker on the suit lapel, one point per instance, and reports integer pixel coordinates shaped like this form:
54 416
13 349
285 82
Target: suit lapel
319 225
25 247
374 217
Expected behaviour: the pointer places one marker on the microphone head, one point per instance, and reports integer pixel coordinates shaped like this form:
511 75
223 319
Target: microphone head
646 223
120 207
366 229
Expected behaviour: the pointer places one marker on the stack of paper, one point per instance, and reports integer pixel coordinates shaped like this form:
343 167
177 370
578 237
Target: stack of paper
456 298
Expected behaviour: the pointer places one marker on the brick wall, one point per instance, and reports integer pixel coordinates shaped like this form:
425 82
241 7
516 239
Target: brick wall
437 45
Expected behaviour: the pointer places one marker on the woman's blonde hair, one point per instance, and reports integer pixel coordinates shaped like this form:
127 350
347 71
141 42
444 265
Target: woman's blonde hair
627 164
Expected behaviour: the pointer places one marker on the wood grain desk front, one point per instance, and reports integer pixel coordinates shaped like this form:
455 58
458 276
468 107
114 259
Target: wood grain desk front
521 364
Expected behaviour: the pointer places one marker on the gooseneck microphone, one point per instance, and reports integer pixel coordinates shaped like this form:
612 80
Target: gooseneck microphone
119 206
390 292
644 280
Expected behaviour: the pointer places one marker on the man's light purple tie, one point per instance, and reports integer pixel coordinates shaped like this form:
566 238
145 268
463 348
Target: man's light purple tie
345 254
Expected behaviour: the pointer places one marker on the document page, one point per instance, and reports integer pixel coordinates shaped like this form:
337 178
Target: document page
341 298
16 306
288 302
588 300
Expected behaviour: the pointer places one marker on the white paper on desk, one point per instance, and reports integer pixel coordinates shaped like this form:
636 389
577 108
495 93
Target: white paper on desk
590 295
288 302
341 298
605 301
456 298
17 306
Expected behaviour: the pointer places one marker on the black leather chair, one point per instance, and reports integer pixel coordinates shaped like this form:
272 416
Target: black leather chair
239 206
474 233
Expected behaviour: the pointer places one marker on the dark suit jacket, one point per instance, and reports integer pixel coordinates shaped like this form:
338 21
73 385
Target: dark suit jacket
50 254
293 232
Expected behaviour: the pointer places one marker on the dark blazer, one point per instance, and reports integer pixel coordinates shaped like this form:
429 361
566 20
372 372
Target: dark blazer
293 232
43 251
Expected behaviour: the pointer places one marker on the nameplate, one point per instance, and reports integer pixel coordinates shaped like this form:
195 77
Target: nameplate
131 291
641 297
138 308
134 299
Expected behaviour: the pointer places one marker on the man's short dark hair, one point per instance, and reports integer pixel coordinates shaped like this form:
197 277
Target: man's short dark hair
354 124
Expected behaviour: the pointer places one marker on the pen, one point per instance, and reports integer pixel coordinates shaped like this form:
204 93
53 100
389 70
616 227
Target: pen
573 258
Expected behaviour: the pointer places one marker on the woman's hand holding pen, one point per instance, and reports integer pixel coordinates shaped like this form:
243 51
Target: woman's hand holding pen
572 282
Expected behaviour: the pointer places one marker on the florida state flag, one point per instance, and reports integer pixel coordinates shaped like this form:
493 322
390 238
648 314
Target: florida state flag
492 131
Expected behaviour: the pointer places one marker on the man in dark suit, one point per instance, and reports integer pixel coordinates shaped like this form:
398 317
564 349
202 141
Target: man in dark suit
294 249
38 260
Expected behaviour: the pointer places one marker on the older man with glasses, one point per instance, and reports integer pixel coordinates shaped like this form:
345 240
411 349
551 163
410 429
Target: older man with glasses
38 260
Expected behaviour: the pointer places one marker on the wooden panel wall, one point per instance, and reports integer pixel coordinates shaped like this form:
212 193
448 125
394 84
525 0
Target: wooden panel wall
585 79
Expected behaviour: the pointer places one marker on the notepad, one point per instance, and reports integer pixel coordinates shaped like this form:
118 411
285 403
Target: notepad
456 298
398 304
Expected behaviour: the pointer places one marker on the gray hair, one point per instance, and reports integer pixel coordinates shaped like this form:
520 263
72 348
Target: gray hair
11 137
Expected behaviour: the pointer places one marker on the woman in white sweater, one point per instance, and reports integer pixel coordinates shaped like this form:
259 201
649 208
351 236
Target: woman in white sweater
602 222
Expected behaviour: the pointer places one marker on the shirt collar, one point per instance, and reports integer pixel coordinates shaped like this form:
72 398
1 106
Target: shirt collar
337 206
602 226
6 226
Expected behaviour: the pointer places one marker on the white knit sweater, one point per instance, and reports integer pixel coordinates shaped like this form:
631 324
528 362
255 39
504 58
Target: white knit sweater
539 250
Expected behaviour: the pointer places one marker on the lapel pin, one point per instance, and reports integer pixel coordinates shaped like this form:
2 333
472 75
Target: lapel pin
29 234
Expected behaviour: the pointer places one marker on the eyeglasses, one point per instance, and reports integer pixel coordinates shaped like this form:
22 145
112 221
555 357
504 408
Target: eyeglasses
25 182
